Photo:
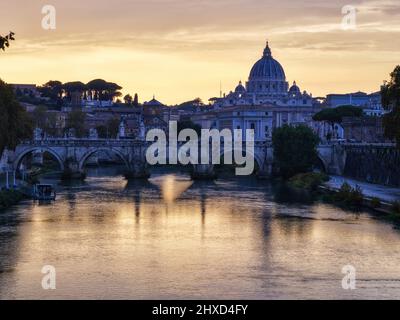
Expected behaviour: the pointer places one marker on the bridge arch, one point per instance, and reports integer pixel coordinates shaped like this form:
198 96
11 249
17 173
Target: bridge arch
92 151
323 163
20 156
258 159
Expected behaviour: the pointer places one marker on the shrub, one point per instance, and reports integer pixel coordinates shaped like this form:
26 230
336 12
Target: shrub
349 197
343 192
356 197
309 181
396 207
9 198
375 202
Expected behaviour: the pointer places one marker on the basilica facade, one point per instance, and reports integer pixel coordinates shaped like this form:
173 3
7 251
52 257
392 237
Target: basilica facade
265 102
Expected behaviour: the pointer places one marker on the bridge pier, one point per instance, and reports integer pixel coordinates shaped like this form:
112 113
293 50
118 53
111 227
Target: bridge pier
265 172
72 171
137 171
203 172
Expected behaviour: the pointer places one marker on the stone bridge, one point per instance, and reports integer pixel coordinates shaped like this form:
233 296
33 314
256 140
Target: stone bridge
72 154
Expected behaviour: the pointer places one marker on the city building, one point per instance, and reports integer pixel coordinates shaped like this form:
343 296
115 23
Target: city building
265 103
370 103
26 89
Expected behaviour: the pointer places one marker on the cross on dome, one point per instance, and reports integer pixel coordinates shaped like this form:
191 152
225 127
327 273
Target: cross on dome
267 50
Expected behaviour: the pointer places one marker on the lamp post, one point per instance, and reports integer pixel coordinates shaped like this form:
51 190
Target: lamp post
14 180
7 182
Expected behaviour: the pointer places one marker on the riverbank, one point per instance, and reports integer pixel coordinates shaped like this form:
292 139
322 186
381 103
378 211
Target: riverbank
348 194
382 200
9 198
384 193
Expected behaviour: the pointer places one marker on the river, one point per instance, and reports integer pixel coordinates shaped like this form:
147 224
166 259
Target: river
171 238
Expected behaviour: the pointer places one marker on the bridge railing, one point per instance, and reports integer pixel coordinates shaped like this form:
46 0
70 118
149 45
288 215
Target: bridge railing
82 142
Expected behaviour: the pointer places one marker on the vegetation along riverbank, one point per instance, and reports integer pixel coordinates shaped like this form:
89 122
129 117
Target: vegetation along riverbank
9 198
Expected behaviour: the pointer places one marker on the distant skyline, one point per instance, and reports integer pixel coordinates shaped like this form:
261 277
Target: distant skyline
178 50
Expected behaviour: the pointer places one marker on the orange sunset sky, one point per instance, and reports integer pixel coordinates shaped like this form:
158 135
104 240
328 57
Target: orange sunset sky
182 49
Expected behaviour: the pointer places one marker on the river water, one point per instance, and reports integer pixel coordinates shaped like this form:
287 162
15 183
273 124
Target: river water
170 238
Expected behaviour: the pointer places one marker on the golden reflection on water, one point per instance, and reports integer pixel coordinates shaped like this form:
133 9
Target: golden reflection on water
172 238
171 187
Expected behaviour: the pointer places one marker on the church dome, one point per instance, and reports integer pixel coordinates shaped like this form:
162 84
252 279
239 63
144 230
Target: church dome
240 88
267 68
294 89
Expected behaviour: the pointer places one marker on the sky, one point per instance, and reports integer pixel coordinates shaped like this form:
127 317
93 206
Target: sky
178 50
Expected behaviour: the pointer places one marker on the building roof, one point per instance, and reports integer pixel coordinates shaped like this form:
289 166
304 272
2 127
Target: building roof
153 103
267 68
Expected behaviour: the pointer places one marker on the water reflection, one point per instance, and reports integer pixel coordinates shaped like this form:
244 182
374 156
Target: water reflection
171 186
171 238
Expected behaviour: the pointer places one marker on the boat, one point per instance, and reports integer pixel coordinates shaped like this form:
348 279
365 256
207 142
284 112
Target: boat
44 192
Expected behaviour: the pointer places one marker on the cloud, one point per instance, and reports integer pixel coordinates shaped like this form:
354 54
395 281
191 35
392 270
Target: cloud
213 39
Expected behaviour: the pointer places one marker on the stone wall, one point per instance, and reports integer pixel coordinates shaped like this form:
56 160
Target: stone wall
366 129
375 164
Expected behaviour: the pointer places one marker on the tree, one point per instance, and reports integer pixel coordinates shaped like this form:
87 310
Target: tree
5 41
76 120
45 120
71 87
102 131
136 100
53 89
128 99
113 127
39 117
189 125
295 149
100 89
112 91
110 129
391 101
336 115
15 123
191 104
51 124
95 87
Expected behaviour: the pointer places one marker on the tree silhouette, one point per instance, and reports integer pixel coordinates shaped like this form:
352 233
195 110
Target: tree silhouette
71 87
76 120
136 100
100 89
5 41
128 99
391 101
295 149
336 115
15 123
52 89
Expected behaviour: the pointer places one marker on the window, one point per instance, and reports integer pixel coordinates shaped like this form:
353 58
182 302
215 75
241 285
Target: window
253 126
266 128
238 127
266 114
